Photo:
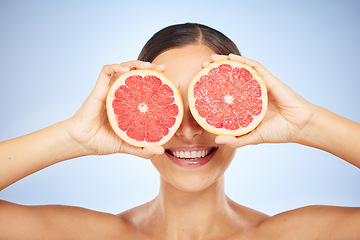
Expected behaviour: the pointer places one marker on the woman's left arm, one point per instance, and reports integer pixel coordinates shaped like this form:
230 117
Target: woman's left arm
334 134
291 118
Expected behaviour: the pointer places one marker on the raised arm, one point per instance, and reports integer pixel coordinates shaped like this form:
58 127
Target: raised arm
290 118
86 133
22 156
334 134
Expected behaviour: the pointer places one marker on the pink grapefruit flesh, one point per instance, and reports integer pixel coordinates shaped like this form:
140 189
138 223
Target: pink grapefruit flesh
144 108
228 98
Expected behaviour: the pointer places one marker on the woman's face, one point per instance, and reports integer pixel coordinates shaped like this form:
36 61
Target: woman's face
192 160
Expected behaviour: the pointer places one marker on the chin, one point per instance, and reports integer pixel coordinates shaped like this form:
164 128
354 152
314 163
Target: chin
194 184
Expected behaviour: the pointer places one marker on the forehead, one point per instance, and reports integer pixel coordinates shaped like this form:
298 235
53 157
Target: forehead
184 62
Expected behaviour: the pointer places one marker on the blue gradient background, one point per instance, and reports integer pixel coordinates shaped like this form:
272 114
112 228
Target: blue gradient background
51 53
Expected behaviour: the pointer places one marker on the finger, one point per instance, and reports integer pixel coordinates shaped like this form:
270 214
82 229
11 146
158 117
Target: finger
160 68
236 142
109 70
247 139
106 78
205 64
146 152
225 139
153 150
216 57
136 64
177 84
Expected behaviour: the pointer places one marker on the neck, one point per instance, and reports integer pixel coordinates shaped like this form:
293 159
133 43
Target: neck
191 215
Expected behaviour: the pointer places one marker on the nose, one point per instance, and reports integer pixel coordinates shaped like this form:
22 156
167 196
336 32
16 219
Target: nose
189 128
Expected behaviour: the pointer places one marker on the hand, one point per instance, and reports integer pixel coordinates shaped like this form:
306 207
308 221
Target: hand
90 127
287 116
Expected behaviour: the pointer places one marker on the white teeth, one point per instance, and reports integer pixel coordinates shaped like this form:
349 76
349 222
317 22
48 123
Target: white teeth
190 154
203 153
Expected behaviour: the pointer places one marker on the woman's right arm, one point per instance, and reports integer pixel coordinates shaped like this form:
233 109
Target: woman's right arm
88 132
24 155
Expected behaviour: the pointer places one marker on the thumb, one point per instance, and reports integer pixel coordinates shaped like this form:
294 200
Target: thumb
236 142
148 152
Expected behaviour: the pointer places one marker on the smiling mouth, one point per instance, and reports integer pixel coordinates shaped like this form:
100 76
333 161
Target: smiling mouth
191 156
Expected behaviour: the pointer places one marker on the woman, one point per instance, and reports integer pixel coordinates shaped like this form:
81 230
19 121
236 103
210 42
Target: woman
191 203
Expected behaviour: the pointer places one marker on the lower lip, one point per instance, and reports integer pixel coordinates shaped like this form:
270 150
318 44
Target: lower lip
196 162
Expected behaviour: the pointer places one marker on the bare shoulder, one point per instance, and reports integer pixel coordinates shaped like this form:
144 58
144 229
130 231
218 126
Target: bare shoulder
312 222
249 216
58 222
140 222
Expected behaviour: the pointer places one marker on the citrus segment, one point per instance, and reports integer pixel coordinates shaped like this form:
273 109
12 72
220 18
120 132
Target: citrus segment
228 97
144 108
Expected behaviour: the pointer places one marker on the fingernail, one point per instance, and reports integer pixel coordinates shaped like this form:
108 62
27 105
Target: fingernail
147 64
161 66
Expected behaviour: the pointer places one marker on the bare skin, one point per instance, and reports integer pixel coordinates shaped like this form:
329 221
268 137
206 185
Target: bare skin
191 203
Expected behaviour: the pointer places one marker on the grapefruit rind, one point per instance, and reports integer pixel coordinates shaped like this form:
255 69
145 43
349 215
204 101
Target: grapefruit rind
112 117
223 131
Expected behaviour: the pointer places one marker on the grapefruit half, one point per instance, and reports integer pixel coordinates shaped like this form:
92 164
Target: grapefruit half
144 108
228 98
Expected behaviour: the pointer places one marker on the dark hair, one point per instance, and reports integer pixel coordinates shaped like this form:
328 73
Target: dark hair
183 34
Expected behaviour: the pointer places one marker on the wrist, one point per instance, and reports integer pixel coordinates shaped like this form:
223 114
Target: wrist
30 153
70 146
334 134
319 131
311 128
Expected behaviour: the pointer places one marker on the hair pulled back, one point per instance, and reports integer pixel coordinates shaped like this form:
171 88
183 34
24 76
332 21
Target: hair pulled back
184 34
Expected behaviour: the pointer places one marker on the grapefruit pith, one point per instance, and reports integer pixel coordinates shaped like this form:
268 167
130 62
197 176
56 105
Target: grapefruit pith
144 108
228 97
